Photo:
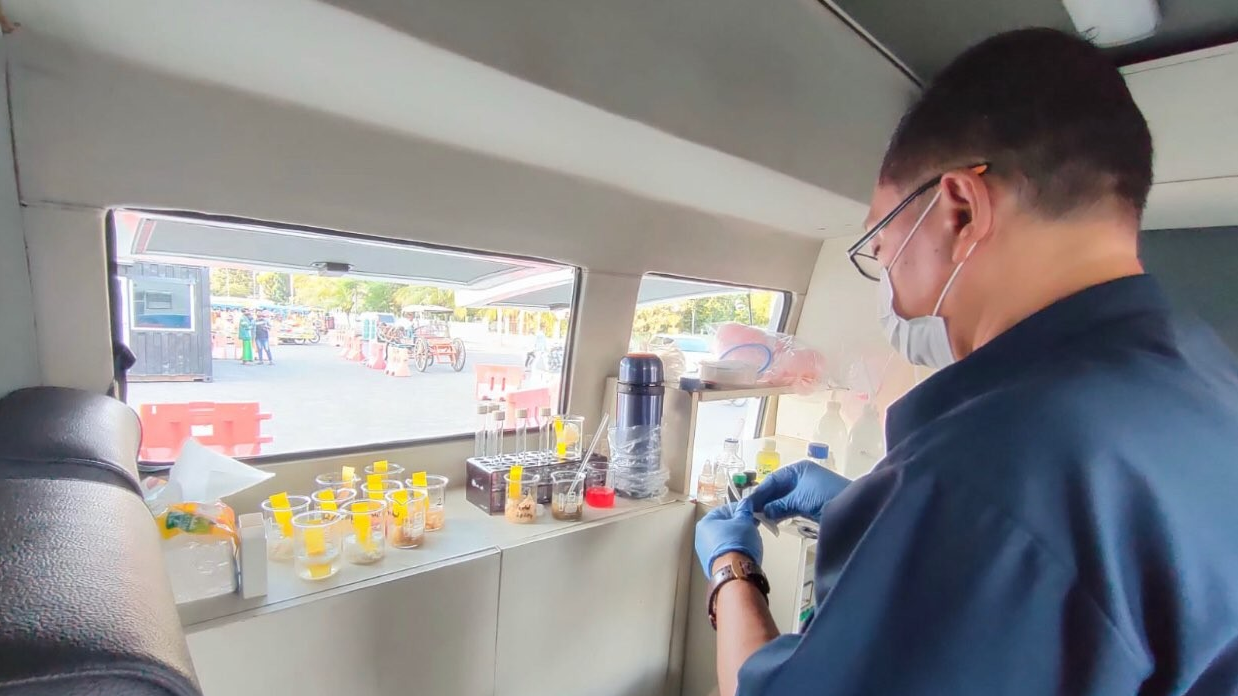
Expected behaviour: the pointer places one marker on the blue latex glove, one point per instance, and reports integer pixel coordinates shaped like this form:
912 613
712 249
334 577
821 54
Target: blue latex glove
801 489
727 528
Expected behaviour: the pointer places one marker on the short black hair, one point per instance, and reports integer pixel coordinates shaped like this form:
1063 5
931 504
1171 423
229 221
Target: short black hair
1047 110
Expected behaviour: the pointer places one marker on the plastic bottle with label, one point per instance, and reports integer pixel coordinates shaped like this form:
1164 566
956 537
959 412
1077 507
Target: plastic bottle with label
821 454
832 431
867 445
768 460
706 492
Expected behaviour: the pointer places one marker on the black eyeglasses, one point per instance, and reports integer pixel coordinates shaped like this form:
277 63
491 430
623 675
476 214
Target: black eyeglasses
865 261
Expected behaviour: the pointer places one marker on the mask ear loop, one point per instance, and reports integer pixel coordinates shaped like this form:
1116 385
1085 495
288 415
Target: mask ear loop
955 274
914 228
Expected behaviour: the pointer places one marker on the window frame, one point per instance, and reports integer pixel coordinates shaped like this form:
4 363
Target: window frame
117 294
131 296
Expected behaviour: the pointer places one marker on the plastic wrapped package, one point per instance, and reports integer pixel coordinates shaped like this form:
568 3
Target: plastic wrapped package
199 549
781 360
636 461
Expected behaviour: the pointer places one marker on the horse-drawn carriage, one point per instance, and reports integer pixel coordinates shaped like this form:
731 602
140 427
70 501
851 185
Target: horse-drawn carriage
423 331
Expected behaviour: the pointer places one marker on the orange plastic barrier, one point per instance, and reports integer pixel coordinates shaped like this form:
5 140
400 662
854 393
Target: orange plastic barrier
222 347
354 350
532 399
397 362
234 429
378 356
494 382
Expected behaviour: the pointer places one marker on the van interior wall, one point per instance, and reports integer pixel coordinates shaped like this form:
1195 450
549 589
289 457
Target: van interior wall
1196 269
20 364
839 317
93 133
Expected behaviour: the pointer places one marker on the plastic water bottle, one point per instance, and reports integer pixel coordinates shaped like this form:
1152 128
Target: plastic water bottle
832 431
867 445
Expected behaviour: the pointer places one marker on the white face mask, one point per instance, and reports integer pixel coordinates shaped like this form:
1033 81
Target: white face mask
922 340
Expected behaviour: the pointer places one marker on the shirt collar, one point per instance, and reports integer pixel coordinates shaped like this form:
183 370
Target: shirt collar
1018 347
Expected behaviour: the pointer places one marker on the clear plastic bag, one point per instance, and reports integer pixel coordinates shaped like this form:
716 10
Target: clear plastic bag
636 462
781 360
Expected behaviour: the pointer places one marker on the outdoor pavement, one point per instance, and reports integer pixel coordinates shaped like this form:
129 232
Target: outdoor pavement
318 400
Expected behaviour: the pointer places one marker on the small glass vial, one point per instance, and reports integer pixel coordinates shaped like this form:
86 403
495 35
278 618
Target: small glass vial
498 418
365 534
706 492
316 542
480 439
521 445
544 440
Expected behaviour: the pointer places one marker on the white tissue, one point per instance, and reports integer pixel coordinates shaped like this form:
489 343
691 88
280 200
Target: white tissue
203 475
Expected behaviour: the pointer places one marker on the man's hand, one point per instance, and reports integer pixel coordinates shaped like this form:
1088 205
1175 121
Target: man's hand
801 489
727 528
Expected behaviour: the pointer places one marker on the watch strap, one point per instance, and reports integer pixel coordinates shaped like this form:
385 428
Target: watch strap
737 569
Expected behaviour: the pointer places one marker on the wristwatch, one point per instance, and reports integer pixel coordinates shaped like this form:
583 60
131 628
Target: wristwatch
737 569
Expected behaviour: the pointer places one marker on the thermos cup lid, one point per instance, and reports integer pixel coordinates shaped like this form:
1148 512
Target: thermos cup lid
640 369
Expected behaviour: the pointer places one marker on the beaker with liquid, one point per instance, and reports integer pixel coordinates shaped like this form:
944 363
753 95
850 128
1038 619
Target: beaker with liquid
337 480
521 506
436 498
277 520
316 542
377 488
599 485
406 518
388 470
365 531
567 501
569 432
331 498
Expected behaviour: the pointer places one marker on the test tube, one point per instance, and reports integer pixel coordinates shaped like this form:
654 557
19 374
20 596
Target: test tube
480 441
496 443
522 432
544 437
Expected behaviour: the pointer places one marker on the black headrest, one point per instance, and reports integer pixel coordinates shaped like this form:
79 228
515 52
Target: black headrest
80 434
85 605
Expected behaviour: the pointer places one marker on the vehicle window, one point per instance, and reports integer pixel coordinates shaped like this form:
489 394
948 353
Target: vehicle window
259 340
685 314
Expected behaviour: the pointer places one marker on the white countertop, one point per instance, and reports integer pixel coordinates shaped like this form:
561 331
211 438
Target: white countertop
467 533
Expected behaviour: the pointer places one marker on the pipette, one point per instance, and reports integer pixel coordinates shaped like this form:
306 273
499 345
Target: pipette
584 462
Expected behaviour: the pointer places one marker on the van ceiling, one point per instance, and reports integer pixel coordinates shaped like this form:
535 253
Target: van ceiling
926 35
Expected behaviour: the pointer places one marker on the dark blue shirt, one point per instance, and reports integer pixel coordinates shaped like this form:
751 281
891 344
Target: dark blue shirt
1057 514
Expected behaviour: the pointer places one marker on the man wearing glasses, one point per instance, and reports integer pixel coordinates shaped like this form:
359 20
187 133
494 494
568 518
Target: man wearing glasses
1058 509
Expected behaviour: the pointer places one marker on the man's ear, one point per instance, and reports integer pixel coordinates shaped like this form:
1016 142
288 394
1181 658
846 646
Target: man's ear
969 208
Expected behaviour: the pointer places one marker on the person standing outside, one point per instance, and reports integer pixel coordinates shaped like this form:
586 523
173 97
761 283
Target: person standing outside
245 332
1055 513
262 339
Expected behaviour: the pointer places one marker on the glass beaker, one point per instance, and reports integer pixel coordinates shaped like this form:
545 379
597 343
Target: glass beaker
521 506
436 499
278 525
406 518
393 471
377 489
316 542
569 432
599 484
365 534
567 500
337 481
339 496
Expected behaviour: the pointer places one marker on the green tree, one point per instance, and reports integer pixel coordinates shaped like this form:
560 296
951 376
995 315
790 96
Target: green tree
232 282
274 287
